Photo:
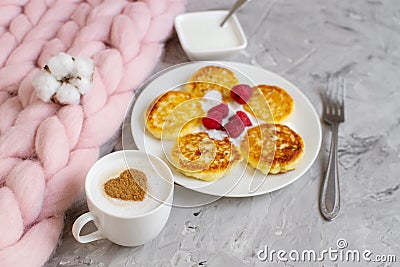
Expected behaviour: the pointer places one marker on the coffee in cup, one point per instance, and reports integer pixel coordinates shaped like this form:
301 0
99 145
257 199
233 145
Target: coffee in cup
120 213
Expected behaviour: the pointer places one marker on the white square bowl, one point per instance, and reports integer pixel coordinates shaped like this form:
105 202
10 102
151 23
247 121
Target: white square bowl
202 38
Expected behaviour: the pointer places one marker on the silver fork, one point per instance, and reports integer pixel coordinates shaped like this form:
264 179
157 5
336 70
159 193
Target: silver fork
333 114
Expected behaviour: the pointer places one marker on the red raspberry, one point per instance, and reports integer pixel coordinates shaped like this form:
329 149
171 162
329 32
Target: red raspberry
244 118
219 111
212 123
241 93
234 127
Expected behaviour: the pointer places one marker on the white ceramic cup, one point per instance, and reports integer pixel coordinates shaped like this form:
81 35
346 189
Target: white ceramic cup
123 223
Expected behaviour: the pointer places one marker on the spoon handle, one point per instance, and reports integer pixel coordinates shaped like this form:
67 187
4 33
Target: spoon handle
233 9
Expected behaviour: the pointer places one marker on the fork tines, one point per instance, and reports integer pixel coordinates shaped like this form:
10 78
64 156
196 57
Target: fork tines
334 99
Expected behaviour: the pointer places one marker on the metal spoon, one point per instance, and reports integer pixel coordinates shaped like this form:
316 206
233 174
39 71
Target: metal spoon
233 9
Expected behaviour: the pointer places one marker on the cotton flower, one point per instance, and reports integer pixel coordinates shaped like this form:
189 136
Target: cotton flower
82 84
61 65
46 85
67 94
64 79
83 67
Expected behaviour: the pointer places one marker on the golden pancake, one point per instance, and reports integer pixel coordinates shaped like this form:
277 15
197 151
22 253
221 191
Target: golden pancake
191 126
211 78
280 103
166 115
272 148
202 157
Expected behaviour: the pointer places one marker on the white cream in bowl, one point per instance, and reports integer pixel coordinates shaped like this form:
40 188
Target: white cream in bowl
202 37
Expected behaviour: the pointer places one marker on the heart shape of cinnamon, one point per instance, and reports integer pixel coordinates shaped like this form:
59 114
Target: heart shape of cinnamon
130 185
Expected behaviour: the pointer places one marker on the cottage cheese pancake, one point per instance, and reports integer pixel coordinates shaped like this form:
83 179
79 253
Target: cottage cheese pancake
168 113
211 78
200 156
270 103
272 148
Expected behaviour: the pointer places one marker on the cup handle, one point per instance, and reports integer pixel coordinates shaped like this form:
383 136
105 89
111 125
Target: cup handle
78 225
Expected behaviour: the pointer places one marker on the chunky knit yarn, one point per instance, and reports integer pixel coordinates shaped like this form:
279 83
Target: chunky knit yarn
46 149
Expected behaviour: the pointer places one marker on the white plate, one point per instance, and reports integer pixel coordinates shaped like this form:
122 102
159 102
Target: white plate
242 181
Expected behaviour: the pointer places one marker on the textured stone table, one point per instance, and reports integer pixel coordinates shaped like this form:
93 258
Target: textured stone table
304 41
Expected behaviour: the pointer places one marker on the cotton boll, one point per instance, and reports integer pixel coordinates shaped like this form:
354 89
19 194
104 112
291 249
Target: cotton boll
61 65
83 85
68 94
46 85
64 79
83 67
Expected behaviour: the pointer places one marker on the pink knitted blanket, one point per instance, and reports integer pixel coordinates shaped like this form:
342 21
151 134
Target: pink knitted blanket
46 149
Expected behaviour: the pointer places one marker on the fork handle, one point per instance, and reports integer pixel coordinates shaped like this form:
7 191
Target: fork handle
330 193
